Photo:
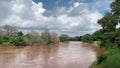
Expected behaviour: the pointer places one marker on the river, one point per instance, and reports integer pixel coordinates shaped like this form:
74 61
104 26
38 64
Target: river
64 55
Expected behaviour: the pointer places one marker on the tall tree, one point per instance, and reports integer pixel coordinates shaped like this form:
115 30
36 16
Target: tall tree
111 19
34 37
46 37
20 33
10 30
115 6
108 22
54 37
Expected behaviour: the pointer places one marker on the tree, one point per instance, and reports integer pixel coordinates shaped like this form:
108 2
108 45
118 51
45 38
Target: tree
64 38
46 37
10 30
54 37
97 35
20 33
34 37
2 32
115 6
86 38
108 22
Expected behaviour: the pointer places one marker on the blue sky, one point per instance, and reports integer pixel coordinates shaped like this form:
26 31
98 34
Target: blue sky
52 4
72 17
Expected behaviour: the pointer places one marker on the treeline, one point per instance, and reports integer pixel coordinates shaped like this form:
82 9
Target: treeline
107 37
9 35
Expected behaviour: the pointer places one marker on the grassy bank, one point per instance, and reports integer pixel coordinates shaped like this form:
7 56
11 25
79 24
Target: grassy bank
109 60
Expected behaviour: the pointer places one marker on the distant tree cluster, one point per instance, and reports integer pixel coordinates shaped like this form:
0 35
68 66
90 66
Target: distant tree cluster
45 38
64 38
76 38
9 35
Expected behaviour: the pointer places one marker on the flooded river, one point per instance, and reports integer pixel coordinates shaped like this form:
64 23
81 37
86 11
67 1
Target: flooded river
67 55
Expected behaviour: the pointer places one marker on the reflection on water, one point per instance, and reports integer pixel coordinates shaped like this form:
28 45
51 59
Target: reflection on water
69 55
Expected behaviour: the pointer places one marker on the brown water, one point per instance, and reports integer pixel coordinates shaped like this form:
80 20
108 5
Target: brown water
69 55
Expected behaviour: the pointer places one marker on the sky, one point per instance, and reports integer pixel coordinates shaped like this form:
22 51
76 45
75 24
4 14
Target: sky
72 17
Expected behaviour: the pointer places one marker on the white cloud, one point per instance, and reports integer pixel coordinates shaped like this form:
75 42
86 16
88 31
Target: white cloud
76 20
38 8
76 4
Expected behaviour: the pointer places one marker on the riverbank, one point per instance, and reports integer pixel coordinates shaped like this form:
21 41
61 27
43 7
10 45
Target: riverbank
111 60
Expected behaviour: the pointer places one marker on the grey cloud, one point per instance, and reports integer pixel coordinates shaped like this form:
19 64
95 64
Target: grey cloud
56 12
4 9
48 13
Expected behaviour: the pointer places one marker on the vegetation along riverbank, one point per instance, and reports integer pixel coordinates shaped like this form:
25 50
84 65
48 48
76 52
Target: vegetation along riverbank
9 36
107 37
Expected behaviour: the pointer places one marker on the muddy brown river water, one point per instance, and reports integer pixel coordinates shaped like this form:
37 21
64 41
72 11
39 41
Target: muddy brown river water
67 55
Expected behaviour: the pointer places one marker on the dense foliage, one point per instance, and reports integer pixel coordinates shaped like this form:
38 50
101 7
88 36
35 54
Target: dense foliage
13 40
86 38
109 36
9 35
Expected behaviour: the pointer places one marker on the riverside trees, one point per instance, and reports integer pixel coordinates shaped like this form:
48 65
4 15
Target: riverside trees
110 37
33 37
48 37
109 34
109 23
9 35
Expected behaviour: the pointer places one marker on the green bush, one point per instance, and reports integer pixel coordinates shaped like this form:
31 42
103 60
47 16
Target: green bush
4 40
111 45
1 40
20 40
87 38
101 58
62 39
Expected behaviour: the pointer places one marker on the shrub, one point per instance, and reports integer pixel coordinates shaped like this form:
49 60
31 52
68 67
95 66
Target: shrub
111 45
20 40
4 40
101 58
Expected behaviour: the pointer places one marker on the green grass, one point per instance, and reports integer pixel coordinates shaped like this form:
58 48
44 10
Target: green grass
97 42
112 61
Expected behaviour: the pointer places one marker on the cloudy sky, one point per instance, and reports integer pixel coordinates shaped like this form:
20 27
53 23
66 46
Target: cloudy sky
72 17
